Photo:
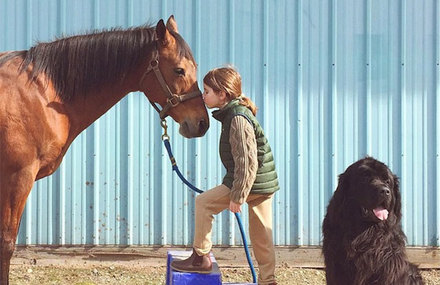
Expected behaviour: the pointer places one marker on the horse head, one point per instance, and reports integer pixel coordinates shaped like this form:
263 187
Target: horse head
171 81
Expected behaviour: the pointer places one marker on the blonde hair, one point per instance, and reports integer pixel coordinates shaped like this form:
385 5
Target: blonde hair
228 80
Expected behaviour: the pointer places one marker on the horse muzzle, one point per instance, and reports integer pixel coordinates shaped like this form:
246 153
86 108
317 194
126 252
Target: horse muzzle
194 128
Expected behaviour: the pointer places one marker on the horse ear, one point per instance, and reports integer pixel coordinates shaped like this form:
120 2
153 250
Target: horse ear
163 35
397 202
172 25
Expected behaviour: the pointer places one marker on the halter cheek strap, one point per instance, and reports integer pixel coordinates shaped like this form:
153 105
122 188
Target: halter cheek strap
172 99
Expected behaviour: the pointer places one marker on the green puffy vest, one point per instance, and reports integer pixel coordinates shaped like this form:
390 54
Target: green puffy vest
266 181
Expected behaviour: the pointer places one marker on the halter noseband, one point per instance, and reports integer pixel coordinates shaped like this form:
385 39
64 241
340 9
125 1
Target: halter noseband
172 99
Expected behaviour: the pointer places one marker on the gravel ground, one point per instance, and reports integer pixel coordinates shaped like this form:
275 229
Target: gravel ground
88 275
147 265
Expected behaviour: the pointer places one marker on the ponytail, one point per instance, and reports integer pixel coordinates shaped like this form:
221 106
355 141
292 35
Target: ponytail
247 102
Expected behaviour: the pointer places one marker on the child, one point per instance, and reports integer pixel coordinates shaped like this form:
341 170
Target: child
250 176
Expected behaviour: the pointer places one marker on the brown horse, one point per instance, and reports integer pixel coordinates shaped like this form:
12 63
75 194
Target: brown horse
53 91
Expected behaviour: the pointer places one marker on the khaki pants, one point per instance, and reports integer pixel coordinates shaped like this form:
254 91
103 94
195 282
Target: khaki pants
216 200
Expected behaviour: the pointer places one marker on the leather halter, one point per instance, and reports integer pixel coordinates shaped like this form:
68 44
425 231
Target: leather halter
172 99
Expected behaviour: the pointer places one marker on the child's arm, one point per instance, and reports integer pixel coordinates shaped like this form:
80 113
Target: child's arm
244 152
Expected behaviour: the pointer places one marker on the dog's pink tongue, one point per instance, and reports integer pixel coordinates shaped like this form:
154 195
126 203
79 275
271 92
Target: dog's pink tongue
381 213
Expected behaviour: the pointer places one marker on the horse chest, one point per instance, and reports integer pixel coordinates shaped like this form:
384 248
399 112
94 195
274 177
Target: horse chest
49 156
48 169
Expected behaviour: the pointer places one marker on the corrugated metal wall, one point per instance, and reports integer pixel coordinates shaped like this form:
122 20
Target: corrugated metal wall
334 81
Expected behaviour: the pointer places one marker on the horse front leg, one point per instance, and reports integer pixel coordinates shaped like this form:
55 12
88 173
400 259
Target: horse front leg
7 246
14 190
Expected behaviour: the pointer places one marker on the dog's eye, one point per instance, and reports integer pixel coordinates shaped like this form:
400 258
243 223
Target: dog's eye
368 179
388 181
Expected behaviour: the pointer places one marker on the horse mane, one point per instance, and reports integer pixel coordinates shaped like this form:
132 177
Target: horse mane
79 64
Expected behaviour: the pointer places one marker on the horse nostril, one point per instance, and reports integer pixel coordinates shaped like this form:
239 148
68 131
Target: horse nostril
203 126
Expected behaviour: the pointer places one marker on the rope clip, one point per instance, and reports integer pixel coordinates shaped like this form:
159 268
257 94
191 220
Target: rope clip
165 135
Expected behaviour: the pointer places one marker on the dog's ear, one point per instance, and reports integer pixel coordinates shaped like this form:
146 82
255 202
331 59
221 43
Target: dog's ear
343 182
337 205
397 209
343 185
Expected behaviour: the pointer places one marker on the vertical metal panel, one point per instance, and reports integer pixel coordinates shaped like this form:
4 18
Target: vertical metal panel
334 81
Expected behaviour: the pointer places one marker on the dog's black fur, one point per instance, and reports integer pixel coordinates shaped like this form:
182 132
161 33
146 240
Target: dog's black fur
359 247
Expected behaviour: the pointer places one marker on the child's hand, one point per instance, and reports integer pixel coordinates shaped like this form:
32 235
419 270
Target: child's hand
234 207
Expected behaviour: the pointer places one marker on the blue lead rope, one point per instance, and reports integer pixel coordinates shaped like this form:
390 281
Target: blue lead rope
166 142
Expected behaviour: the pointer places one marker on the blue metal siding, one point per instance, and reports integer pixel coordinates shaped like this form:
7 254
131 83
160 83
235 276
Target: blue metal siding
334 81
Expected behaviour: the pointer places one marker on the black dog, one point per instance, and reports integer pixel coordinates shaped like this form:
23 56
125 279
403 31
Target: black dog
363 239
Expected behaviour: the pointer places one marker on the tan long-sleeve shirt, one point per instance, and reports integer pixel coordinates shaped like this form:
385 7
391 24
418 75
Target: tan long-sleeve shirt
244 152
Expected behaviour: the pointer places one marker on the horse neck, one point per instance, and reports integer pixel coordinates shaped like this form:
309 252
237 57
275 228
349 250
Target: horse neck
84 110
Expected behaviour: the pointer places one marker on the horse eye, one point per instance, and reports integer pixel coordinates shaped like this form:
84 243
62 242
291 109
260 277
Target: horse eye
179 71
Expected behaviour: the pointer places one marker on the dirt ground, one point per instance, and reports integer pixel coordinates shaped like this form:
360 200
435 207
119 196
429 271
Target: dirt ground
81 266
33 274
